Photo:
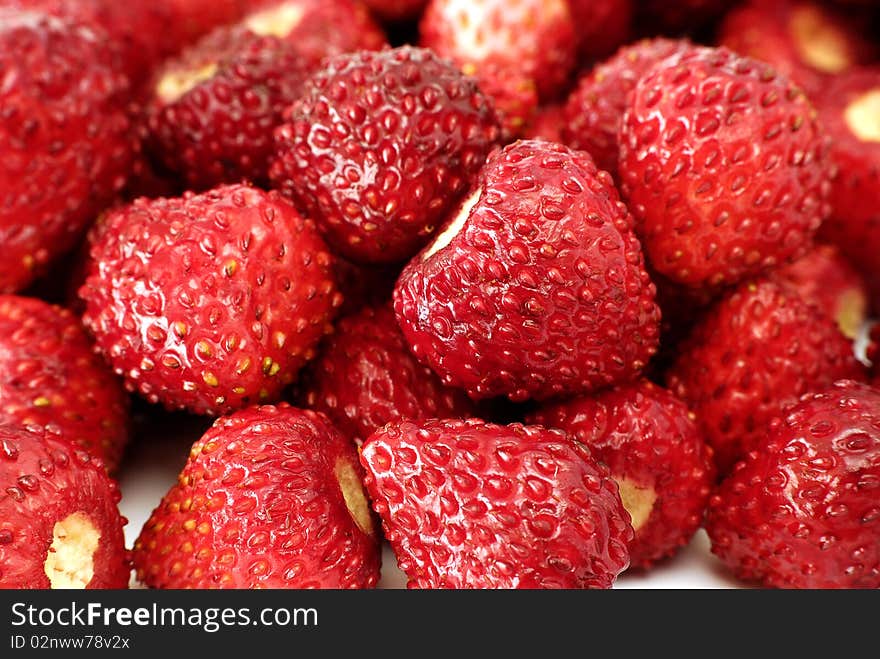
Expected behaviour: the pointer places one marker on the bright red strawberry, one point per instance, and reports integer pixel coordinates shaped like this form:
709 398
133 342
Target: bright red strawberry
755 352
802 512
724 167
65 142
680 15
378 171
59 523
366 377
214 108
469 504
396 10
602 25
271 497
593 112
536 287
531 38
653 448
547 124
209 302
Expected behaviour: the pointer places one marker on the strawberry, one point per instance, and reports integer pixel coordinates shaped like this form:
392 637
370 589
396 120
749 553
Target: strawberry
531 38
396 10
654 450
755 352
378 171
469 504
593 112
209 302
602 25
366 377
65 142
59 522
547 124
536 287
514 95
802 512
681 15
271 497
213 109
724 167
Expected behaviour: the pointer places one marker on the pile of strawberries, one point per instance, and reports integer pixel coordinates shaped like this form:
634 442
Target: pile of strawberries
533 295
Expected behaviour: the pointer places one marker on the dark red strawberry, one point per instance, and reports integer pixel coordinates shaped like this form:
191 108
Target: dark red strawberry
754 353
547 124
536 287
396 10
653 448
602 26
468 504
209 302
593 112
59 522
213 109
366 377
680 15
802 511
65 142
724 167
378 171
271 497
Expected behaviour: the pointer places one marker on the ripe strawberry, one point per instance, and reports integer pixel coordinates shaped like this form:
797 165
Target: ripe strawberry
59 523
366 377
593 112
724 167
396 10
209 302
469 504
655 452
758 350
271 497
532 38
802 512
537 287
65 143
547 124
214 108
681 15
602 25
514 95
378 171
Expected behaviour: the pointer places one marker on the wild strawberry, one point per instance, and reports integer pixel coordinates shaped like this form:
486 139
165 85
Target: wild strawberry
602 25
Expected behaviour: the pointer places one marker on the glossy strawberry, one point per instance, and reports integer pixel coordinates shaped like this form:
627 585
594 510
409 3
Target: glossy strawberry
209 302
59 522
366 377
724 167
537 287
271 497
378 171
396 10
602 25
468 504
755 352
65 143
655 451
802 511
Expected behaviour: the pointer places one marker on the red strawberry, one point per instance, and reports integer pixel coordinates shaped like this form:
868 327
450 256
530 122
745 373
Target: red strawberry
209 302
66 143
469 504
531 38
59 523
754 353
802 512
681 15
50 377
602 25
547 124
593 112
366 377
378 170
724 167
396 10
513 94
214 108
271 497
537 287
655 452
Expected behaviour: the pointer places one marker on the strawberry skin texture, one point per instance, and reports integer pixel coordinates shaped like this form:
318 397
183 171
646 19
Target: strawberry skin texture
366 377
260 504
469 504
43 480
209 302
754 353
65 136
377 170
724 167
542 292
650 442
801 512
